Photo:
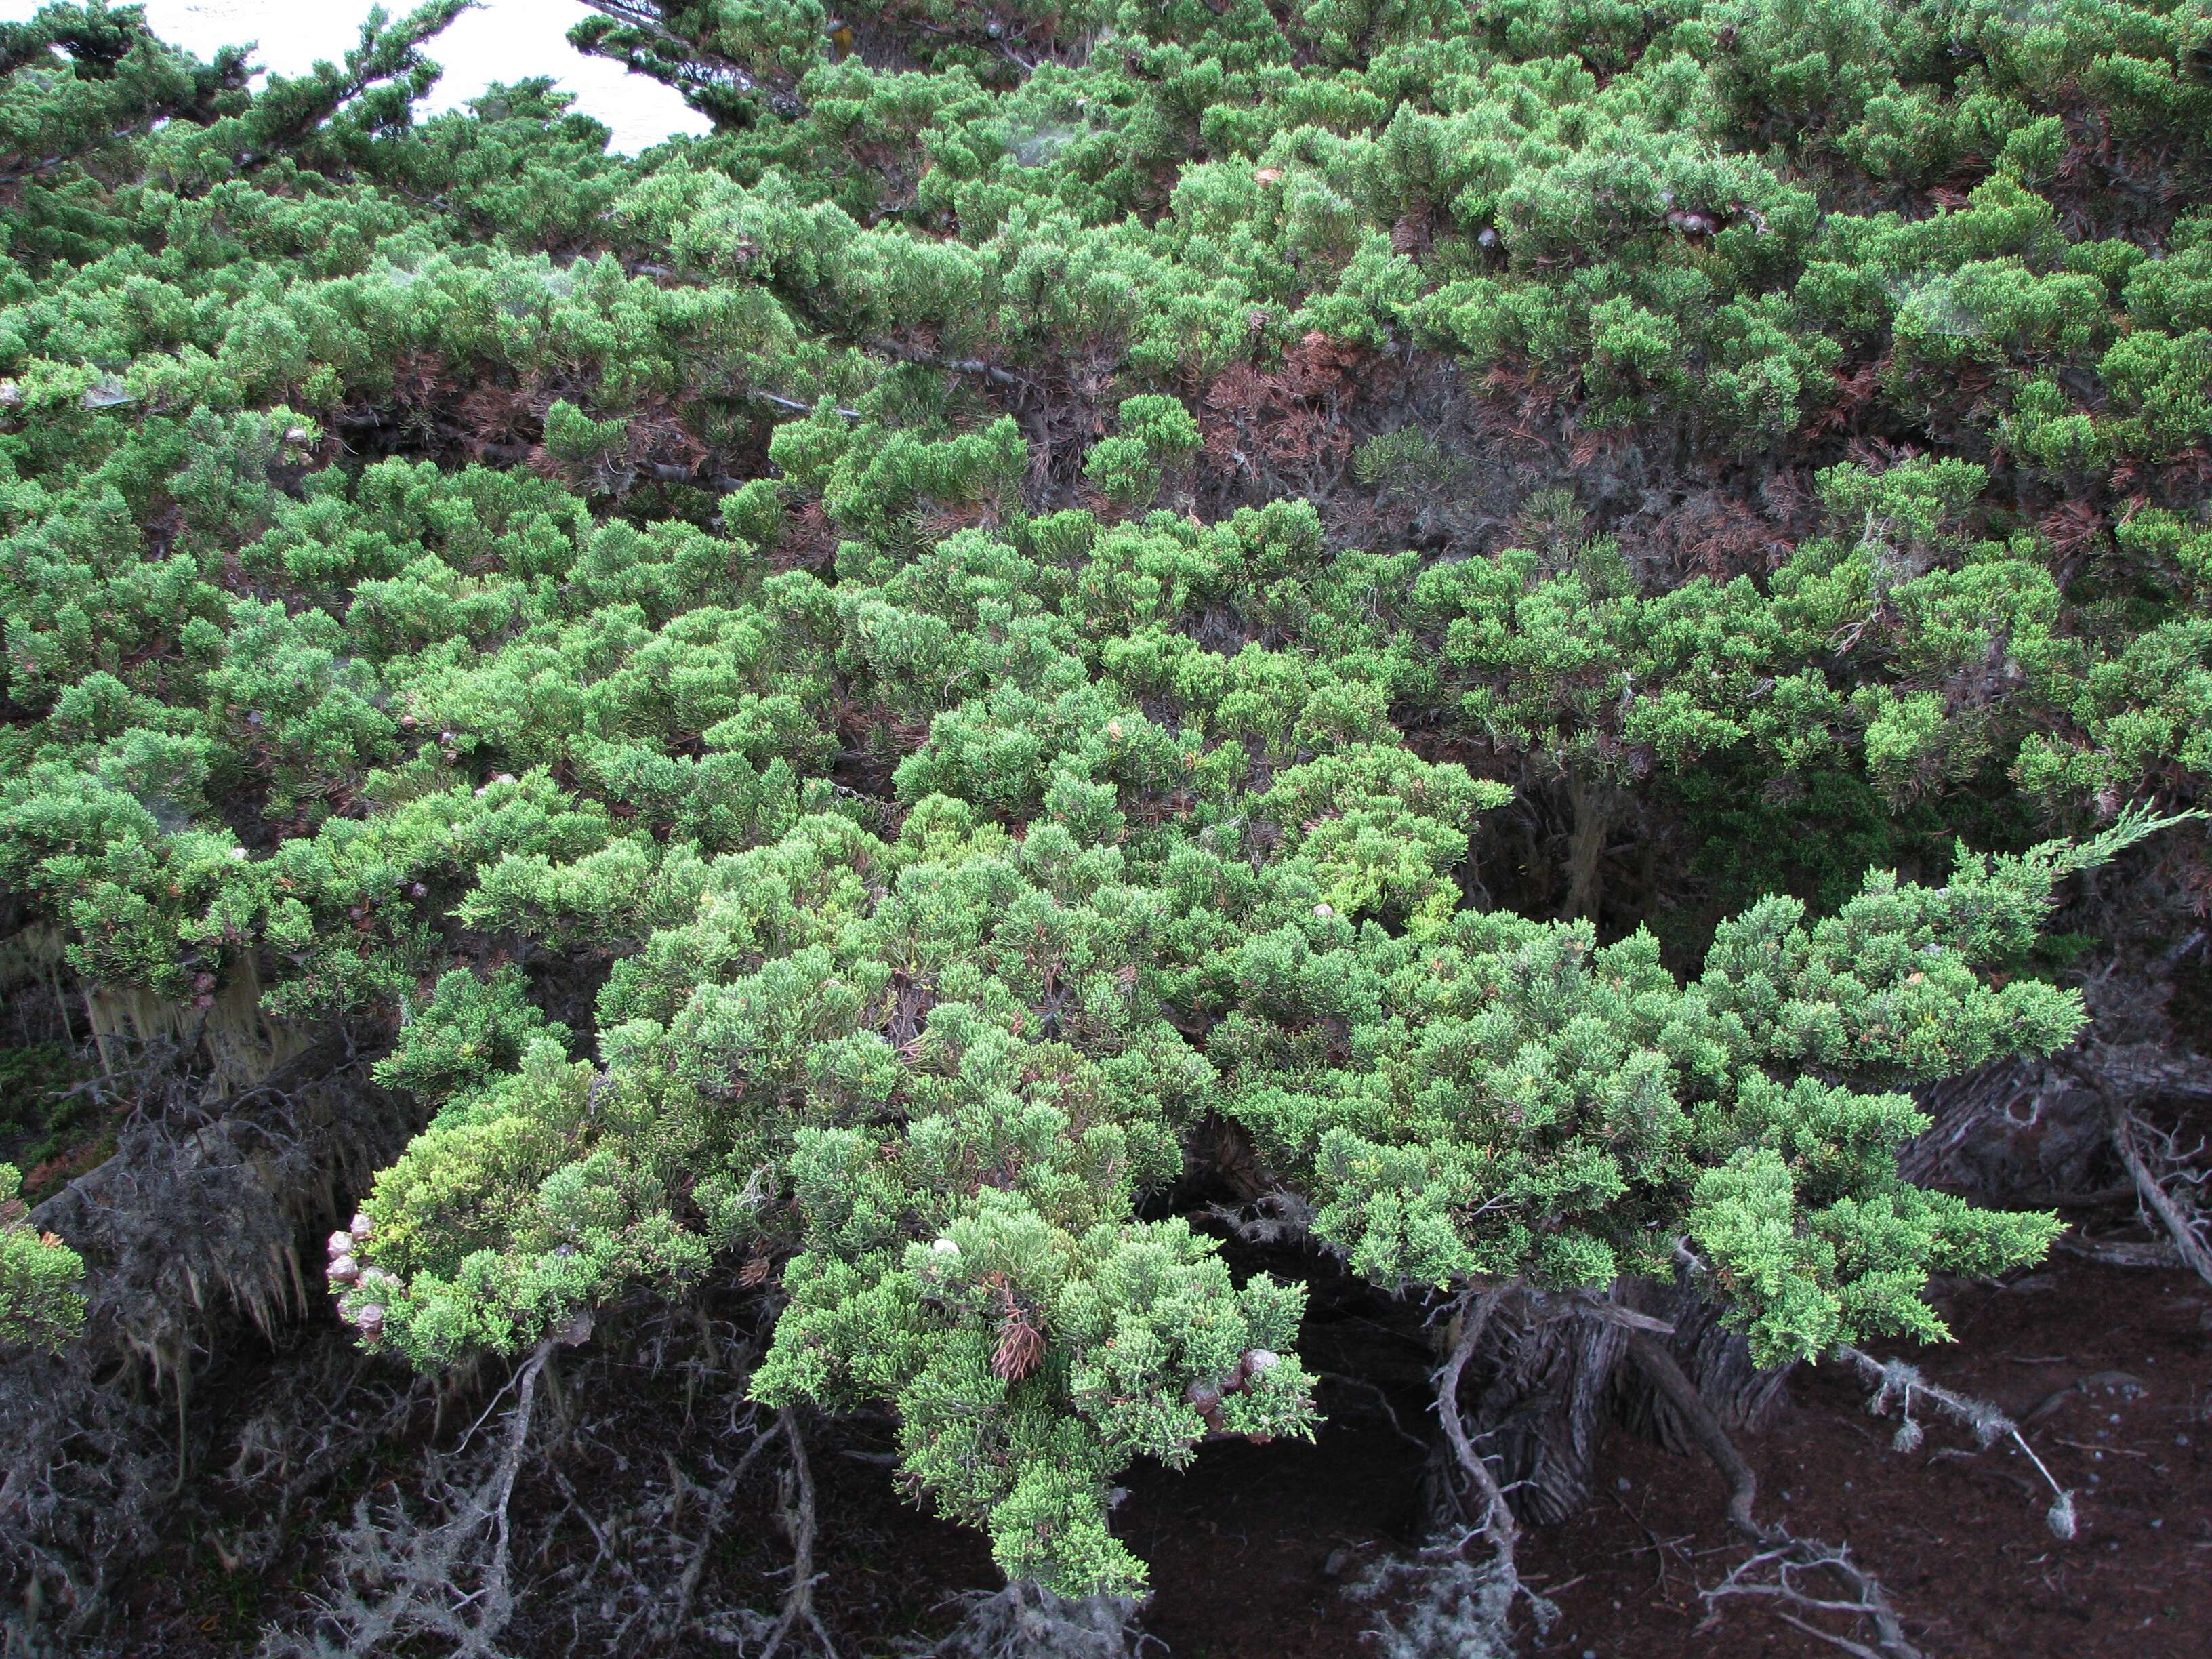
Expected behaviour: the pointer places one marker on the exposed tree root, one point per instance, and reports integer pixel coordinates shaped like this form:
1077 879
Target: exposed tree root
614 1526
1783 1562
1024 1621
1659 1365
1497 1523
2166 1185
799 1521
1777 1574
1454 1605
417 1573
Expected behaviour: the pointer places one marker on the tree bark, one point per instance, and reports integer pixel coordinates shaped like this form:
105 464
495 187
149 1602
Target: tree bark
1716 1360
1553 1380
1543 1406
1596 800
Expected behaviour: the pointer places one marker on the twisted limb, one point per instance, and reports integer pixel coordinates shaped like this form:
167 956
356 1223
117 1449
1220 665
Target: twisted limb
1497 1523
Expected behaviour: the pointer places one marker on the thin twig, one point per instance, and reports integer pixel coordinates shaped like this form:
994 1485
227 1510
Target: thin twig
1361 1383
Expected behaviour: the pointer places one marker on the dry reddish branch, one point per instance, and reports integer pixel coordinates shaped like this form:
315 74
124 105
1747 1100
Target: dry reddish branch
1021 1347
1254 424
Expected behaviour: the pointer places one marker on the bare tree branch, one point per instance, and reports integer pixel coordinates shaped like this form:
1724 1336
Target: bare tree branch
2179 1216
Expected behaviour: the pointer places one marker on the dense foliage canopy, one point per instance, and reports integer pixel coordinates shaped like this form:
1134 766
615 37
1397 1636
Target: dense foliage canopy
844 693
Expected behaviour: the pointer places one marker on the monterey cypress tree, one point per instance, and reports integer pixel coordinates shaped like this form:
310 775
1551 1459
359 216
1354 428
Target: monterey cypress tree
1487 629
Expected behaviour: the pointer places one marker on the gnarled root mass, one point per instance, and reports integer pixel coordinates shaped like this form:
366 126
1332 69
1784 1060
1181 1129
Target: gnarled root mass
506 1544
192 1226
451 1579
1025 1621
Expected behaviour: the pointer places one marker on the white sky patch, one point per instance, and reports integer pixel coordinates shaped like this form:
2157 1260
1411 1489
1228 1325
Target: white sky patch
505 41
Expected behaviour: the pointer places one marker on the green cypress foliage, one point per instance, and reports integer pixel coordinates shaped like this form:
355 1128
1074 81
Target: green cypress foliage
992 616
39 1303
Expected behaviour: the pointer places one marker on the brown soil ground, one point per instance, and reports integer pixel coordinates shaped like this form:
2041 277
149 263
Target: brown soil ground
2116 1361
1252 1549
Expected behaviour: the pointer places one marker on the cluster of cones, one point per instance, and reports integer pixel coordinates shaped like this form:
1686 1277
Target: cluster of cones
358 1288
1205 1398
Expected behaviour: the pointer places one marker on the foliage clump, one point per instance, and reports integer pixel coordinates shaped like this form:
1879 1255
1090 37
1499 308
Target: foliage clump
38 1275
835 700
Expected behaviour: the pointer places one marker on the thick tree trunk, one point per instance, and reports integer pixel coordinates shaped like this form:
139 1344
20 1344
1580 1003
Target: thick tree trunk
1717 1360
1548 1381
2027 1130
1547 1373
1596 800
